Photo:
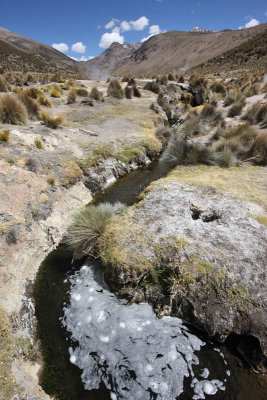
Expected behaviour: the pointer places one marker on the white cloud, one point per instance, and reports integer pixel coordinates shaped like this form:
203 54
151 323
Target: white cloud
108 38
153 30
116 29
250 24
78 47
125 26
140 23
63 47
83 58
110 24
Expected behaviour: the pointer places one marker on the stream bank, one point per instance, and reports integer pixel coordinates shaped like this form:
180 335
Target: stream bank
61 377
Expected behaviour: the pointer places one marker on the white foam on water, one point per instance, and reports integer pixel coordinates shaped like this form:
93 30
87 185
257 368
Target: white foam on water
128 348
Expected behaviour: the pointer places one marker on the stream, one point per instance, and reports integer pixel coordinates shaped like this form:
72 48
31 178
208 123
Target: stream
94 346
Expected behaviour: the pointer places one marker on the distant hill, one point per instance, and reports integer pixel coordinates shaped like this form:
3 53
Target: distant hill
252 54
179 51
102 66
18 53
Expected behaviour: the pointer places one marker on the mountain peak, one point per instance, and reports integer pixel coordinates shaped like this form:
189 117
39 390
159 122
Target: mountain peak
198 29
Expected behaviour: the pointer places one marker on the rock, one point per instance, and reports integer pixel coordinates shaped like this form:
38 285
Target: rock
88 102
208 247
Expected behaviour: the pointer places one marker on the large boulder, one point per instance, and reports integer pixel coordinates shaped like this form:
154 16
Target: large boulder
197 252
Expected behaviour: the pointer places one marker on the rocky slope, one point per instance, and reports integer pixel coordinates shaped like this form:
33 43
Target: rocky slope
179 51
102 66
20 53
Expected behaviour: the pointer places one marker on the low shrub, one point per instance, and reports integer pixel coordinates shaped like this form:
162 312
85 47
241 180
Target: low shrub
96 94
72 96
115 89
54 93
12 110
4 135
3 84
152 86
50 120
256 114
87 227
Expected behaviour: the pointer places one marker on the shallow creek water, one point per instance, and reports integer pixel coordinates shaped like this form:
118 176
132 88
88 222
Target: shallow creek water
96 347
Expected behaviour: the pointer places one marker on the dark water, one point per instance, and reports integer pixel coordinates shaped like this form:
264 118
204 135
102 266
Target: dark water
61 378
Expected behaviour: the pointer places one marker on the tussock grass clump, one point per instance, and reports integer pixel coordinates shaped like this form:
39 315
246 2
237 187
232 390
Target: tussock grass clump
72 96
131 82
196 80
51 180
226 158
236 108
87 227
210 114
163 133
115 89
3 84
252 90
264 88
31 105
218 87
12 110
256 114
128 91
38 143
55 91
258 150
50 120
31 164
33 92
44 101
232 97
4 135
162 80
179 151
171 77
82 92
152 86
136 91
96 94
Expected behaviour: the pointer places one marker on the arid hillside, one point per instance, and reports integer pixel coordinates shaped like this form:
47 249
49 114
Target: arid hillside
102 66
178 51
20 53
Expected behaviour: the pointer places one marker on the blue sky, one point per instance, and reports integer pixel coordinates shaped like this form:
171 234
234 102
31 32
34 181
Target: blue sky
84 28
